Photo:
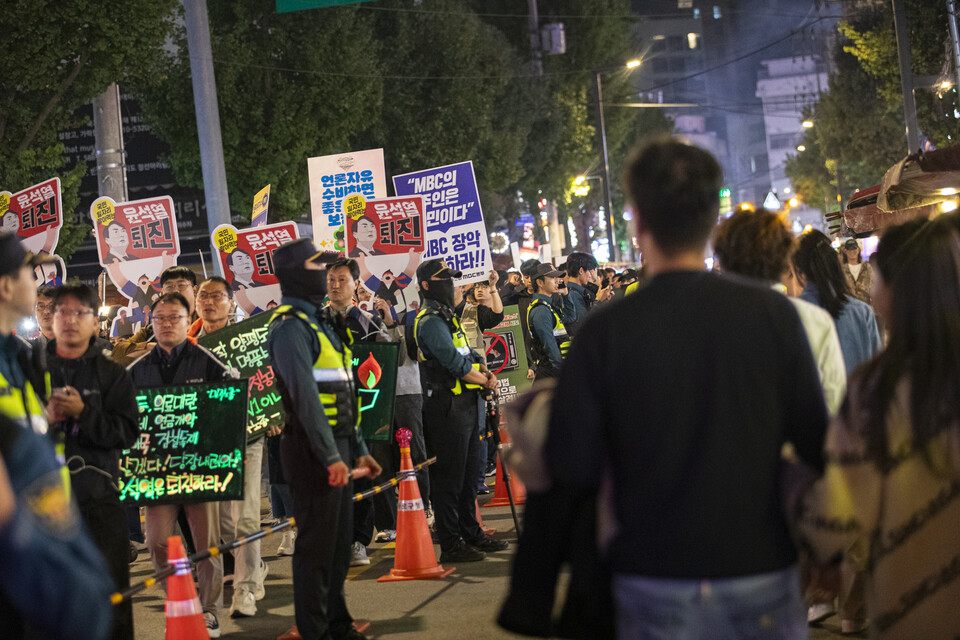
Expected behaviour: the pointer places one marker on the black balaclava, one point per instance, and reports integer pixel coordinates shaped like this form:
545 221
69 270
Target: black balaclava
303 283
440 290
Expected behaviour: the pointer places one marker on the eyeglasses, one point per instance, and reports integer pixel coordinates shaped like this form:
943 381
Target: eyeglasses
216 296
170 287
44 308
168 319
73 313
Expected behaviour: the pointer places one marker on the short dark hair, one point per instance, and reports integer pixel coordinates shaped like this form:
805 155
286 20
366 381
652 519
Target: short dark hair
755 244
579 260
173 298
235 252
356 223
223 281
46 291
176 272
349 263
106 229
676 190
83 293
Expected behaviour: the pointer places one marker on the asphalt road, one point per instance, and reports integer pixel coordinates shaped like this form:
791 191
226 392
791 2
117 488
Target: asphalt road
463 605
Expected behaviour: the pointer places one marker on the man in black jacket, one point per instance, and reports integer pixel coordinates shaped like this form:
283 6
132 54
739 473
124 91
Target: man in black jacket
177 360
93 408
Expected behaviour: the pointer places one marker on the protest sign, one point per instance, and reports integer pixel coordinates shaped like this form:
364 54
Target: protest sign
136 241
386 237
246 257
455 228
52 275
333 178
261 201
507 355
191 445
375 371
34 214
243 346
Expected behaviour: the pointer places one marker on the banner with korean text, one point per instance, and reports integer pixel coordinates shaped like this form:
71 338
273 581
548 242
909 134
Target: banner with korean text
191 445
507 356
246 257
35 214
455 228
332 179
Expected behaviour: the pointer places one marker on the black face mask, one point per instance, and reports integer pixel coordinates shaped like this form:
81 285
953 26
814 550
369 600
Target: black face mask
441 291
306 284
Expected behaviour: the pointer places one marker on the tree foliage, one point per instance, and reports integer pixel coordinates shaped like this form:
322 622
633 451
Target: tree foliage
58 55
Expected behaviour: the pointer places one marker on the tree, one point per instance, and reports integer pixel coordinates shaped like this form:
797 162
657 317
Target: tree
58 55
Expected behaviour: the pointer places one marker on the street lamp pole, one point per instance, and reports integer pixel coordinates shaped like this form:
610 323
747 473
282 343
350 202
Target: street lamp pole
607 200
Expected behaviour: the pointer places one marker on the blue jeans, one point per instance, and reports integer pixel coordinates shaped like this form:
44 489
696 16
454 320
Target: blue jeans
767 605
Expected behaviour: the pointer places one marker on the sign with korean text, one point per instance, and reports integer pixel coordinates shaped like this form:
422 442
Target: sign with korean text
243 346
386 226
333 179
191 445
261 202
136 241
375 372
34 214
507 355
246 257
455 228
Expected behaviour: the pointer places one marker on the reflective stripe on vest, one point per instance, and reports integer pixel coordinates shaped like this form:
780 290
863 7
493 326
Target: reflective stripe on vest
23 406
459 342
559 331
333 373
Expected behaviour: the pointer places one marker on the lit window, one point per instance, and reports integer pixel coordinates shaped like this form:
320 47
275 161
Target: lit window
716 12
692 40
696 14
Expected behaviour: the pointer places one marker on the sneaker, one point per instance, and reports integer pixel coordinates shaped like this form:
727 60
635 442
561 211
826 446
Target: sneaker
483 490
213 625
358 555
387 535
430 519
261 590
287 542
134 552
491 470
244 604
462 552
819 612
489 544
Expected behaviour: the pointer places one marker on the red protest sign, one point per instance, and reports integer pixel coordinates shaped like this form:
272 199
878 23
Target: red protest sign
134 230
246 257
35 214
388 226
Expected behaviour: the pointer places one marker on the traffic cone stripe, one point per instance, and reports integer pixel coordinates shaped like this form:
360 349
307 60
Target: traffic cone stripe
180 608
411 505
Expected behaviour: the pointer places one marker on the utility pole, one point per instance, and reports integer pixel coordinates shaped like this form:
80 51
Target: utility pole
533 22
109 152
607 200
906 77
954 40
208 117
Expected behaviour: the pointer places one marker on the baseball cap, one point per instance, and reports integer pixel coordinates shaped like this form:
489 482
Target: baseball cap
546 270
13 255
292 255
851 244
434 268
527 266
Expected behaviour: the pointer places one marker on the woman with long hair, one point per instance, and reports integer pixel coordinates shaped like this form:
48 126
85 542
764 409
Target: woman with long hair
858 274
818 270
892 480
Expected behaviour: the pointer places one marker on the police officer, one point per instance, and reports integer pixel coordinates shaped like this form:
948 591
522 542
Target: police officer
452 377
550 339
320 438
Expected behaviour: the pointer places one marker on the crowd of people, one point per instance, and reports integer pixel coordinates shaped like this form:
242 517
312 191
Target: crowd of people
735 452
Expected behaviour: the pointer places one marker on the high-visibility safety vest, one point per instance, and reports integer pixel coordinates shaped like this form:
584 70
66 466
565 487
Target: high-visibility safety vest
433 371
559 331
333 373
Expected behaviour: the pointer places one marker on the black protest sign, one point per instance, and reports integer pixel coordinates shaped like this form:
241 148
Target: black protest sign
243 346
191 445
375 371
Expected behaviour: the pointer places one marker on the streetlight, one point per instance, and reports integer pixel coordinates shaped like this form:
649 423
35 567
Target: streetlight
807 124
608 201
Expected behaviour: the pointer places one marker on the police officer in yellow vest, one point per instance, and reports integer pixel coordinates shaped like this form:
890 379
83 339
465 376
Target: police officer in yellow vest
320 439
23 385
550 339
452 376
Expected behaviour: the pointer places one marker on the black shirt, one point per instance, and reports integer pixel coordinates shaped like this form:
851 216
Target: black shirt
685 392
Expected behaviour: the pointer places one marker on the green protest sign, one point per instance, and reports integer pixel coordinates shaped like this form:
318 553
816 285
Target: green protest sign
191 445
507 355
375 371
243 346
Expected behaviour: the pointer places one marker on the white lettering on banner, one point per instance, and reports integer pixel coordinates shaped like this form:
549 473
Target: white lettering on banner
436 181
411 505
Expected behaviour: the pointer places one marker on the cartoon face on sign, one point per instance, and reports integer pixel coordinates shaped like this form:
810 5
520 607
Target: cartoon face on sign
246 257
136 241
34 214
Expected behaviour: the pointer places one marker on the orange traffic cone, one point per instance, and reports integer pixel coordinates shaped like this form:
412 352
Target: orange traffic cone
414 558
184 615
500 497
487 530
